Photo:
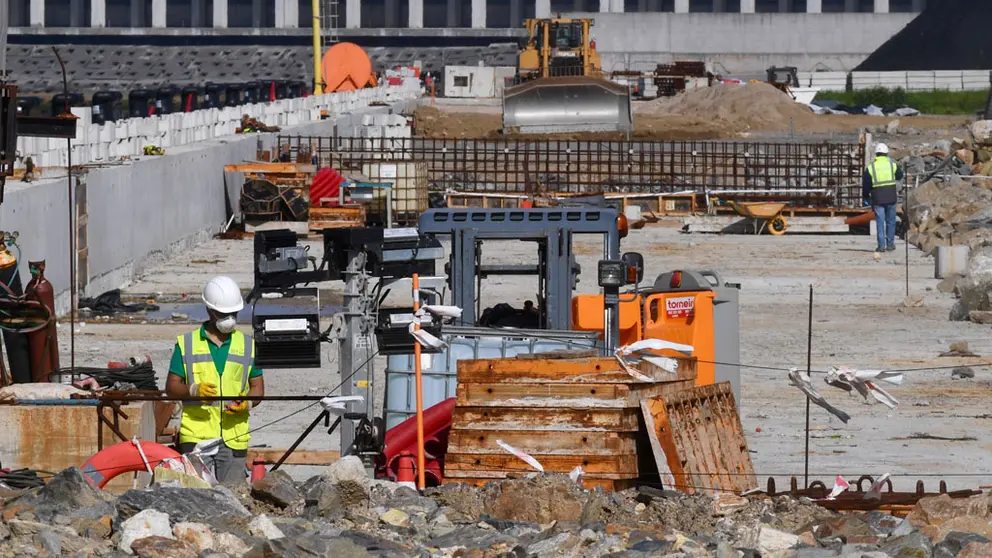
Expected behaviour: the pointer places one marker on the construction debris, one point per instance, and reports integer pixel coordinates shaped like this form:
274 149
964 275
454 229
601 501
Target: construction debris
542 515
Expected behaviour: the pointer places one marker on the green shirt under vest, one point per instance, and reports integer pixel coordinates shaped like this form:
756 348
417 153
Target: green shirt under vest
217 352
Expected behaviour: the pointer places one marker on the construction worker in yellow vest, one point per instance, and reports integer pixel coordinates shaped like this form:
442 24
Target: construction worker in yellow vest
216 360
879 188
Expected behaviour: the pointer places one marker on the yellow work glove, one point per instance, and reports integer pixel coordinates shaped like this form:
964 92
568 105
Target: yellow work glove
236 407
203 390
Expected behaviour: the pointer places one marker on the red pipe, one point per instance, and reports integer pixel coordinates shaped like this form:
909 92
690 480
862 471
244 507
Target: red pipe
403 437
272 91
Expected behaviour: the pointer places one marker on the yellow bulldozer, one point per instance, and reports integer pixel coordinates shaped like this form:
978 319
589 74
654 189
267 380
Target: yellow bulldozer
559 48
561 87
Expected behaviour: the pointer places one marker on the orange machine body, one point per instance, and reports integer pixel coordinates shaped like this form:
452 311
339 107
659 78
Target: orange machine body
678 316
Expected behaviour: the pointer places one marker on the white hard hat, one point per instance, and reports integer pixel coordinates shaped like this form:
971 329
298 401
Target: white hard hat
222 294
882 148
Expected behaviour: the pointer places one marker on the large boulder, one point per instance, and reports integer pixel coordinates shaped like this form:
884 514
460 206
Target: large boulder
147 523
68 494
937 510
276 488
976 286
216 507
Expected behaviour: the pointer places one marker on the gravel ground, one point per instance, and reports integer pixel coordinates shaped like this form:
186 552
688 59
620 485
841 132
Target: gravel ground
858 320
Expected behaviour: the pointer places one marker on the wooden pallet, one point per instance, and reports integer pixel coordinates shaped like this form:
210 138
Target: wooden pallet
565 413
337 217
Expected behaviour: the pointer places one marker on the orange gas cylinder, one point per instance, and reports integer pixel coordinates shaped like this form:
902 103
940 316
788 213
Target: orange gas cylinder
345 67
44 344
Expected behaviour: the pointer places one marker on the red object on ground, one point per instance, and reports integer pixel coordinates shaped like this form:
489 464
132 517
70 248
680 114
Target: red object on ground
325 190
394 80
124 458
402 439
406 470
860 219
257 470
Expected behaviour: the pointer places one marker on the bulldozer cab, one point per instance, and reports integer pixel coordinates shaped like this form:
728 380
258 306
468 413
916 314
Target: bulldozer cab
783 77
558 47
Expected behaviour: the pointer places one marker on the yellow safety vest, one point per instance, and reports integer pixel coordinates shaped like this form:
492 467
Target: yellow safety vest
883 172
205 421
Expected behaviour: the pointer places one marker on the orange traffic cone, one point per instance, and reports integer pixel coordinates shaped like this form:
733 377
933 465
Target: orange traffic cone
257 470
405 475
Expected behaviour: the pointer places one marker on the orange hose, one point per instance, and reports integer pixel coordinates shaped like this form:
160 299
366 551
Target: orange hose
421 459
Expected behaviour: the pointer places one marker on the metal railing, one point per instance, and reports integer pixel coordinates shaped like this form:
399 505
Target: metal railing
785 170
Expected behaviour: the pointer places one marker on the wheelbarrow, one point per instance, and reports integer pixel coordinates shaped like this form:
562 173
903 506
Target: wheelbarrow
762 214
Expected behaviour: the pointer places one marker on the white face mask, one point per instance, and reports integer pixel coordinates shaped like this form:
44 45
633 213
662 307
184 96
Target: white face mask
226 324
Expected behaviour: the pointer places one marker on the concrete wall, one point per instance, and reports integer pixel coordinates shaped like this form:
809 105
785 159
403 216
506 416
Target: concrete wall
143 210
742 44
127 138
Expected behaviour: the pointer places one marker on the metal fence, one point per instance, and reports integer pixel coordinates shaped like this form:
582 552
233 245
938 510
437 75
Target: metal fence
817 174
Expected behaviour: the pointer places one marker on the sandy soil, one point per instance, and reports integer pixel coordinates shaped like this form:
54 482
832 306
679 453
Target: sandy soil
858 320
720 112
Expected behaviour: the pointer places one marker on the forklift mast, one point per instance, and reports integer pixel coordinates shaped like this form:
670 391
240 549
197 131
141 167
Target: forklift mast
551 228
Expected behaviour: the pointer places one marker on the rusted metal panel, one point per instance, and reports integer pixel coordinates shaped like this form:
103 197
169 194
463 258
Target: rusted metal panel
589 371
698 440
622 466
467 440
559 419
53 437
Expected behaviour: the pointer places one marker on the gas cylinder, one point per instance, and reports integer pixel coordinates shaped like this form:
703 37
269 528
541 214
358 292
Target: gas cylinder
44 343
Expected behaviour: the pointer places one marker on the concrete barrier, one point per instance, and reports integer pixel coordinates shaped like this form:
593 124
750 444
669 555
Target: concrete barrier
950 80
127 138
134 212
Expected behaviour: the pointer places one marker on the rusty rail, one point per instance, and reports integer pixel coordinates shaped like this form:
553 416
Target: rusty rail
854 498
793 171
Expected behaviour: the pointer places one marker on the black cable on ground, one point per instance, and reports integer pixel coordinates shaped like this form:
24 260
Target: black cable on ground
140 375
22 478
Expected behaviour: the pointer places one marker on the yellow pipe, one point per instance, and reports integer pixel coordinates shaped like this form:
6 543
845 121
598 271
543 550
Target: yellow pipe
318 79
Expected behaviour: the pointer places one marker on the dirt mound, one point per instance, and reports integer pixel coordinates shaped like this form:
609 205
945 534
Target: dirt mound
753 106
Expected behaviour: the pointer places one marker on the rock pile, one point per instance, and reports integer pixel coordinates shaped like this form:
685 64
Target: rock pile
342 514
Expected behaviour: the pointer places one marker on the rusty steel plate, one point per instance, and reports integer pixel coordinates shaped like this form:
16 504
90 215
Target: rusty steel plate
698 441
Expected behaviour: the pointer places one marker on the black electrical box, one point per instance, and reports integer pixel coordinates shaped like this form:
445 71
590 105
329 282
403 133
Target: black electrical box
390 252
280 263
392 333
287 340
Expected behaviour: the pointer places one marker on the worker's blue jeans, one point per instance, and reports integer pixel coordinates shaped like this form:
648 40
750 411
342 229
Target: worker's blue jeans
885 224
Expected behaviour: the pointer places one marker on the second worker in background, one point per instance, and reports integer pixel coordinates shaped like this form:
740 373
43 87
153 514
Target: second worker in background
879 186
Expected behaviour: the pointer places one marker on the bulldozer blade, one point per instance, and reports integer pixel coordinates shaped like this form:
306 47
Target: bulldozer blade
567 104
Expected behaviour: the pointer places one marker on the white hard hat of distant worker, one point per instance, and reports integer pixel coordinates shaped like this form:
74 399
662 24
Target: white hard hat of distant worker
221 294
882 149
